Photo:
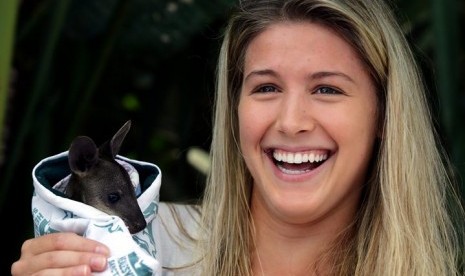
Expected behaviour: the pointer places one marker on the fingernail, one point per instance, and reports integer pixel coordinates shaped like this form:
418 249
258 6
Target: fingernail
98 263
102 250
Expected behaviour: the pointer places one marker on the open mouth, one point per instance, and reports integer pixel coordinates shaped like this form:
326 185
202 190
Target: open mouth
298 162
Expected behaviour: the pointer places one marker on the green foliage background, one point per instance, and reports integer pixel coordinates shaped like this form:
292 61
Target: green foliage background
84 67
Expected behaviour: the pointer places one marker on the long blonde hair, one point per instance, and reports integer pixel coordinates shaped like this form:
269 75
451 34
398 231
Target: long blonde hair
404 225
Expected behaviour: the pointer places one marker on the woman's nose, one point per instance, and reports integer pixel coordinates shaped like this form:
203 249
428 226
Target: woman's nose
295 115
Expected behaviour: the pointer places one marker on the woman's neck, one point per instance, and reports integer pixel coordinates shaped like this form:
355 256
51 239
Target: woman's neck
286 252
283 248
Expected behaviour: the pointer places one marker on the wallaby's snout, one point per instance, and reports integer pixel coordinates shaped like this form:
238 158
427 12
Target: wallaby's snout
98 180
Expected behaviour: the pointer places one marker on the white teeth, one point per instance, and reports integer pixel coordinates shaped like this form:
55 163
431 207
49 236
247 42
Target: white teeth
289 157
304 158
312 158
299 157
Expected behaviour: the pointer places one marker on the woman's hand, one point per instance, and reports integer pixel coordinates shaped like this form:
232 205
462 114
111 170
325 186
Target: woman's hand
60 254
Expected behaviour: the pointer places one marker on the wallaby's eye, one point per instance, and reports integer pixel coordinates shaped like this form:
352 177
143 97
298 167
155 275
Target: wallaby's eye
113 197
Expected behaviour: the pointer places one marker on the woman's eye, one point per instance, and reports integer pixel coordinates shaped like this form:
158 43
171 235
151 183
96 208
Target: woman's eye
266 89
327 90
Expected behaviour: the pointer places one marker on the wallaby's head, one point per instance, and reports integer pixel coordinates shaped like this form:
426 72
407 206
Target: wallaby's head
98 180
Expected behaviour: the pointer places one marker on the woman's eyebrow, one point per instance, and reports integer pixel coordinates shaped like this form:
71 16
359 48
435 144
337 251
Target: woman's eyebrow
263 72
313 76
324 74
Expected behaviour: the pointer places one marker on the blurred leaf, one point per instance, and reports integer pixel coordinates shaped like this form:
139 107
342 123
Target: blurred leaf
8 12
131 102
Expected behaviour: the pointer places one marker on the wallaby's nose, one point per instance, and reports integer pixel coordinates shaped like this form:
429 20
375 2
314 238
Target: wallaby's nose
136 226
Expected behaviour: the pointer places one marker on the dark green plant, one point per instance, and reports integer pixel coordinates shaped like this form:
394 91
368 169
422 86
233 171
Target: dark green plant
8 12
86 66
434 27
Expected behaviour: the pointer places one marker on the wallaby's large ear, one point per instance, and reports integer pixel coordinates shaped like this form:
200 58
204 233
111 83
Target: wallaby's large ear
112 148
82 155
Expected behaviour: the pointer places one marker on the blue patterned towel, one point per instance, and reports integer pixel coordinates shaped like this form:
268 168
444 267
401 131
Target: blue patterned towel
53 212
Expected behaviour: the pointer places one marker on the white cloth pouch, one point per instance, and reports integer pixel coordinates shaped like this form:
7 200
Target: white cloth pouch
52 211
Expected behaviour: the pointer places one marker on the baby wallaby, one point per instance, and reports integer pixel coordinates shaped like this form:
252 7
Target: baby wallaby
98 180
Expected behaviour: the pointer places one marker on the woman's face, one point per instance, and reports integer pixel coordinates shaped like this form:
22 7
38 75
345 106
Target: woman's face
307 122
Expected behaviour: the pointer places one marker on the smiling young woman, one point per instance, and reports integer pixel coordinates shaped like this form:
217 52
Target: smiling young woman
337 80
313 98
324 159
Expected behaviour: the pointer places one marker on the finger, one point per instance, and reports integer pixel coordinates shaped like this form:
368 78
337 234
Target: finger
82 270
62 241
73 271
60 261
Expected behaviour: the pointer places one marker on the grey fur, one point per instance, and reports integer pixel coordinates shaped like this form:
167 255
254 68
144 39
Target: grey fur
99 181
